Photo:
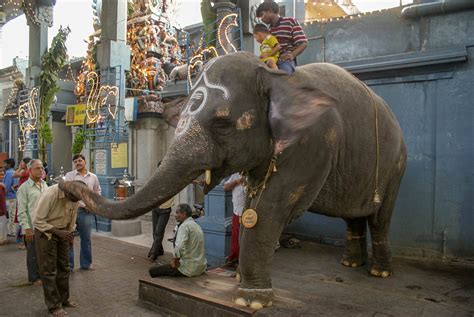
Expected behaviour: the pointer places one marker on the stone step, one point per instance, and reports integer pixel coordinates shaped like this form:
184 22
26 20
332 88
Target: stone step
207 295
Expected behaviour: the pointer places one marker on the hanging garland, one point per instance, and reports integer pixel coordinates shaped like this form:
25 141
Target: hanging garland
51 63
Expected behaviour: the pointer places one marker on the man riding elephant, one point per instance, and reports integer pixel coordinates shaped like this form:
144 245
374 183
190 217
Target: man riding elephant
317 140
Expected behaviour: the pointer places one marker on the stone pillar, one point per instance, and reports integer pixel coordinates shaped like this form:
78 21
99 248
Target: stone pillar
217 225
38 45
113 57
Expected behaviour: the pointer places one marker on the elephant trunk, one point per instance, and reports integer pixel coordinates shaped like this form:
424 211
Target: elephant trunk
184 162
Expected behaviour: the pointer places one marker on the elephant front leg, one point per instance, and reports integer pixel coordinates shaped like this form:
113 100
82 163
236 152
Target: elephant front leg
257 247
356 243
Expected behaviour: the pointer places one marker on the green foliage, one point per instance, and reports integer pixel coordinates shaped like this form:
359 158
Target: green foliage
51 63
79 140
46 133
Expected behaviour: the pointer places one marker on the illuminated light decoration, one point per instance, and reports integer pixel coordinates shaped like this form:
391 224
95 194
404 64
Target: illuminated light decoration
233 23
99 97
223 38
199 60
27 117
86 67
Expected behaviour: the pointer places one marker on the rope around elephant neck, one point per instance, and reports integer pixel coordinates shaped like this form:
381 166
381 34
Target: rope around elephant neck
377 199
253 190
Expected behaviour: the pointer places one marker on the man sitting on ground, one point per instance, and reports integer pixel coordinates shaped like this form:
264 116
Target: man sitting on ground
189 259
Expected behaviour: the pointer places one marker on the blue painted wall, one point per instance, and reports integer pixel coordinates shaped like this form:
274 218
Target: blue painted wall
423 68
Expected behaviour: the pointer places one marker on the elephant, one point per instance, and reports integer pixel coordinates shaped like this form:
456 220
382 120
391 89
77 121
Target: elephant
318 140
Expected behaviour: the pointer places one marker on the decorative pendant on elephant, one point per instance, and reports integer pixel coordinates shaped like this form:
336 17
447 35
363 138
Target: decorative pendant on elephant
249 218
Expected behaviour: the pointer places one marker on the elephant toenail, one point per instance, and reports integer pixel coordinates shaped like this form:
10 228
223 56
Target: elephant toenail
240 301
256 305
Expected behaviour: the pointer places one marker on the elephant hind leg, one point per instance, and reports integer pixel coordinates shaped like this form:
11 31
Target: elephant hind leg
381 254
355 253
379 224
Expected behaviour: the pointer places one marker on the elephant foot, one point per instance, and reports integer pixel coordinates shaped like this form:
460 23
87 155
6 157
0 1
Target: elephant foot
254 298
379 271
354 258
352 263
355 254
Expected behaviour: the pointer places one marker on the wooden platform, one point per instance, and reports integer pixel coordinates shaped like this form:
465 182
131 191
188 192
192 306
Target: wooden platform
206 295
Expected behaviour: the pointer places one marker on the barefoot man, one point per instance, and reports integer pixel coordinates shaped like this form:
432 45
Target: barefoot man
54 220
27 196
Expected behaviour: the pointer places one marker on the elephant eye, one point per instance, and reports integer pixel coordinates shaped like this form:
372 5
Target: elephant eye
197 100
223 126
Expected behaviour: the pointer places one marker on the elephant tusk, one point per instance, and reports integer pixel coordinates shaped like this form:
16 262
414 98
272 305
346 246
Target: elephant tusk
208 177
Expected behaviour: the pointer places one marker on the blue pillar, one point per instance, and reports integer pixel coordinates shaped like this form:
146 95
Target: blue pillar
106 175
217 225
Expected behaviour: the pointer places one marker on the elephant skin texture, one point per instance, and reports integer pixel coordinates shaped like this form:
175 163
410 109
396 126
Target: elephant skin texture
318 124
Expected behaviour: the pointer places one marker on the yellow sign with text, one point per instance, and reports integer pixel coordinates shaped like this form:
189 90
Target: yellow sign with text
120 156
75 114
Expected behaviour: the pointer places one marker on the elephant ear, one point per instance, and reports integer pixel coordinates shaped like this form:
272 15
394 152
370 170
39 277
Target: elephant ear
295 105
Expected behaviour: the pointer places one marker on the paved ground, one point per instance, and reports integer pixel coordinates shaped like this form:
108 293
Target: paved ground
111 290
310 281
307 281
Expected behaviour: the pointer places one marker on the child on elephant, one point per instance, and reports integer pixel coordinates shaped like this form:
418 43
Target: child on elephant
269 46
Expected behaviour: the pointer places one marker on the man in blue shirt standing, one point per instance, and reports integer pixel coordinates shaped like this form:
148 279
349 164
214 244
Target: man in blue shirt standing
9 183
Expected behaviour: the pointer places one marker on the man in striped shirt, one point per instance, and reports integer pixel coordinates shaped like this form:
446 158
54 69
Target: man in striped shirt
288 31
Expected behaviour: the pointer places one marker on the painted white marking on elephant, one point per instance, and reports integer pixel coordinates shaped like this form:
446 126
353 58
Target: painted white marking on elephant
205 68
210 85
199 95
224 89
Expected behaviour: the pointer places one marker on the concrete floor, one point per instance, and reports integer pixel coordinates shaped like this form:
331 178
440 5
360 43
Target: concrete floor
310 281
110 290
145 239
